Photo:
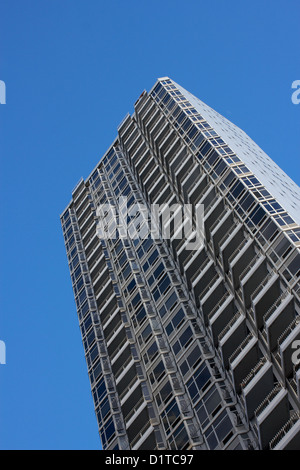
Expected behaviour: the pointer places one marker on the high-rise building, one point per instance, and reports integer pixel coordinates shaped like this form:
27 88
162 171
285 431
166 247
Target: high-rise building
188 347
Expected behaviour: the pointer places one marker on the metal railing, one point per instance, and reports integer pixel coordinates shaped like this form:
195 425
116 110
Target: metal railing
260 287
253 372
208 287
275 305
229 326
284 430
250 266
237 250
218 305
267 400
287 331
239 349
228 233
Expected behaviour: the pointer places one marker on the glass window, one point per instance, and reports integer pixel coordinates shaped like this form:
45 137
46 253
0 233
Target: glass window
107 432
176 322
220 429
157 88
208 407
185 338
171 416
192 361
211 160
293 269
158 373
198 382
162 286
139 317
135 301
172 300
179 439
164 395
236 191
145 335
151 353
153 257
284 219
205 149
103 410
131 286
99 391
221 166
256 217
158 271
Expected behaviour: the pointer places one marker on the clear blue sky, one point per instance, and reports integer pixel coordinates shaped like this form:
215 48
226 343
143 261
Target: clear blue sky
73 69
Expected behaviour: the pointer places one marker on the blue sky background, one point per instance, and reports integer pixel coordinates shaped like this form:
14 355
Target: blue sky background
73 69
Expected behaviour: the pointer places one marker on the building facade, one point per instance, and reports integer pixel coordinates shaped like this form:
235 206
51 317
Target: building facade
188 348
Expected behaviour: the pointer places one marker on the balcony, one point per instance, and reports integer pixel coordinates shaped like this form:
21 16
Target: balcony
288 438
174 159
214 293
222 225
183 170
202 277
154 126
251 278
165 196
93 245
220 315
231 239
193 262
243 359
257 385
147 168
109 309
152 177
240 259
278 318
171 152
109 338
285 343
231 336
118 353
126 383
211 289
271 415
191 179
106 303
141 160
162 139
104 290
112 326
213 215
117 344
134 411
156 188
263 297
121 362
165 145
143 438
198 190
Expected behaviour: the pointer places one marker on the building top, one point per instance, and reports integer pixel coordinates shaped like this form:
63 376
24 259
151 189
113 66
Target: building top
270 175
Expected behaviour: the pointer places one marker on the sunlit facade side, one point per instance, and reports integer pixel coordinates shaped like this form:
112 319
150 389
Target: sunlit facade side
189 349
